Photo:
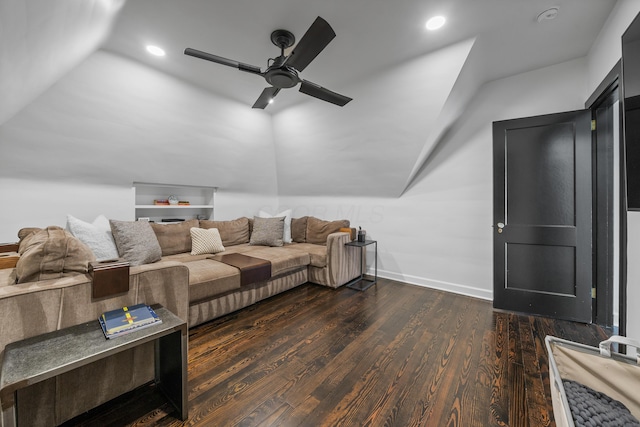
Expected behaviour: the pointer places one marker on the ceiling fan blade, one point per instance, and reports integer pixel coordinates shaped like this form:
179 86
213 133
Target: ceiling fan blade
324 94
224 61
267 95
311 44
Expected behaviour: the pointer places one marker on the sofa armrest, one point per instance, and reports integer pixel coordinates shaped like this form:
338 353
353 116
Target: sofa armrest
342 261
34 308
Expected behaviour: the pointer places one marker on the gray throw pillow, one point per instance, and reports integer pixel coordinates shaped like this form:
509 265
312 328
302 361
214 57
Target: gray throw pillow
136 241
267 231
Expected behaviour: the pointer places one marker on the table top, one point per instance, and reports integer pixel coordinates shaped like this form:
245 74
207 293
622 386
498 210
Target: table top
360 244
44 356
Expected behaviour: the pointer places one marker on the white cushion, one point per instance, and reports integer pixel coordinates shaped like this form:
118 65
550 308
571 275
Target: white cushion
286 235
97 235
205 241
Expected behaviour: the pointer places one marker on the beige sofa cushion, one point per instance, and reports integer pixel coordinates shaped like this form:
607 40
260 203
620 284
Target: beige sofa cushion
317 253
299 229
318 230
234 232
52 253
283 259
209 278
174 238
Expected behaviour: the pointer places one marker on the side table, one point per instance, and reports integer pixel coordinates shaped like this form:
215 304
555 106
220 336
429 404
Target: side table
360 283
41 357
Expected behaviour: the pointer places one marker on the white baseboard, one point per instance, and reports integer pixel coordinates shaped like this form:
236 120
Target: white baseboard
436 284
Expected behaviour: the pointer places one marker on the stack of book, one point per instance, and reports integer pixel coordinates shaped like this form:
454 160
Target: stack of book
124 320
161 202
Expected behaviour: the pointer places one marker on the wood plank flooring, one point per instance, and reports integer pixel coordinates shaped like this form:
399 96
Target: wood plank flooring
394 355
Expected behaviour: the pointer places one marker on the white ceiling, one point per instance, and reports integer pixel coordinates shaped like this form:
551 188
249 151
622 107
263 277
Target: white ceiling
372 59
371 36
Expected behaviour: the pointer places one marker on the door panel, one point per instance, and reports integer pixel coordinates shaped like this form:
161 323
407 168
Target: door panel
542 214
541 268
540 164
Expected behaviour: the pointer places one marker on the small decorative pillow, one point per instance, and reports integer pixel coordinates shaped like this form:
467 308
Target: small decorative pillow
267 231
97 235
205 241
136 241
286 235
52 253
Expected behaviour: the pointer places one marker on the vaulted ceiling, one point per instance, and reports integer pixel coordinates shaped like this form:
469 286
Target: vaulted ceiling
371 36
408 83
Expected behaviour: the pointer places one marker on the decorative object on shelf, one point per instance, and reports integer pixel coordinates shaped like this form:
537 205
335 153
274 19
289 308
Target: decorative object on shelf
152 201
173 199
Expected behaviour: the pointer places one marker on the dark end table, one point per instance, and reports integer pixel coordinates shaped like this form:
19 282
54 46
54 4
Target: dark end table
41 357
360 283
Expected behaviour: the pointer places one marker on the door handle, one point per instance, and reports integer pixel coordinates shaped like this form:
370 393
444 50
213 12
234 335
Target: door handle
500 227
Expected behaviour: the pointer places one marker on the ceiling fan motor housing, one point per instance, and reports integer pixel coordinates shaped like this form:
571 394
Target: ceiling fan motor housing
282 77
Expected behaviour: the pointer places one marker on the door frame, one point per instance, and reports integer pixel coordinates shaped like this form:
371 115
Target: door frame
613 83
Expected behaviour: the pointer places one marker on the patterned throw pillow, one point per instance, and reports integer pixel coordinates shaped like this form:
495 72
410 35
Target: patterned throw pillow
267 231
205 241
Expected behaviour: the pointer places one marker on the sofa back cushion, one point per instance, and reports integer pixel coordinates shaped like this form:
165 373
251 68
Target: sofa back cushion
299 229
174 238
318 230
52 253
234 232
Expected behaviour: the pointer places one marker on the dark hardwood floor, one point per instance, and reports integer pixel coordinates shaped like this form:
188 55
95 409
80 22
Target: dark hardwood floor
394 355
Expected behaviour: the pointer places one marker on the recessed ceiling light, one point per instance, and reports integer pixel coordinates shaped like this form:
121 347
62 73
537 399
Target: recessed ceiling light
155 50
271 101
436 22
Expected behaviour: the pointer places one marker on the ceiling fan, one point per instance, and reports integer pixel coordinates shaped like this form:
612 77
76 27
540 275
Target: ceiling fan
284 71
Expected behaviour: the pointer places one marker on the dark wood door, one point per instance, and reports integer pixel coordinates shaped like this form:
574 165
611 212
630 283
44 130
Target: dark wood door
542 215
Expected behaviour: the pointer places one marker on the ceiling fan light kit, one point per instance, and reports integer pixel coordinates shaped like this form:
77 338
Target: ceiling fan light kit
284 71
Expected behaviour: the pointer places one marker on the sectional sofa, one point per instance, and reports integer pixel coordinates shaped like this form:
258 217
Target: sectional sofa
51 288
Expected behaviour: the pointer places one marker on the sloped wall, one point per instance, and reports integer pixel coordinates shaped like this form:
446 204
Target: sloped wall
438 233
112 121
370 146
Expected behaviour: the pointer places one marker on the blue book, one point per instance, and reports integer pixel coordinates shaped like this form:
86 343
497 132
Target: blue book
126 319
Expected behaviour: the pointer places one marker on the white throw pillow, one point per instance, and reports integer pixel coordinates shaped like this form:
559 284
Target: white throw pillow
97 235
205 241
286 235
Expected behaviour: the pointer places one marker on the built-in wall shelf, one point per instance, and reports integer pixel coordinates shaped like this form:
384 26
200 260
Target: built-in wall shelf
200 198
